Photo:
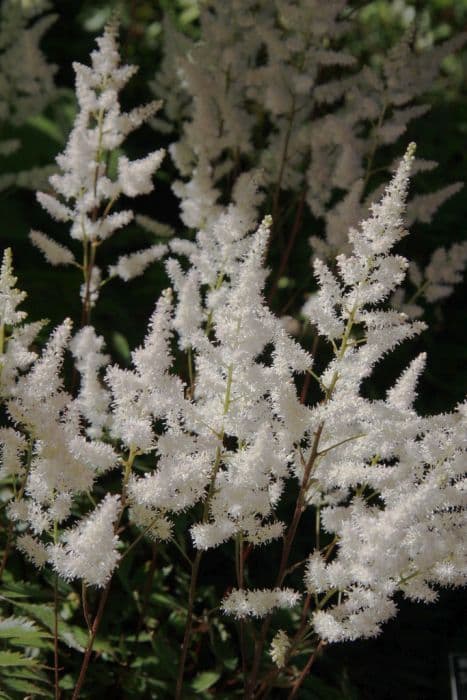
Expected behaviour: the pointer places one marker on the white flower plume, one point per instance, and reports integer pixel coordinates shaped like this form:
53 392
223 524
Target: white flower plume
89 550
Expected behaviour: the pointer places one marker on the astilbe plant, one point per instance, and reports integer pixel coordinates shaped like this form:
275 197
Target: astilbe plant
223 448
85 183
269 86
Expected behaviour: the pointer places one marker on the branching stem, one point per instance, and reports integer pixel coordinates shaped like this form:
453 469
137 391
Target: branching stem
199 552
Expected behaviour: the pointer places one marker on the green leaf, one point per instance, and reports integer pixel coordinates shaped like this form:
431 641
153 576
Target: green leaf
14 658
21 632
44 614
189 15
67 682
166 601
121 345
205 680
46 126
28 673
112 165
96 20
25 686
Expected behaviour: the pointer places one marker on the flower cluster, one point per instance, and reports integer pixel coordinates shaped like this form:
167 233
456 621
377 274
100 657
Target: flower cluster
85 189
223 444
373 453
268 87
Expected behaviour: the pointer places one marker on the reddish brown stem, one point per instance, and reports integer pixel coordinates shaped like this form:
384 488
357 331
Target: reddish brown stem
277 190
306 670
84 602
7 550
56 668
306 383
188 626
86 310
88 652
147 590
266 684
290 244
306 386
240 583
299 508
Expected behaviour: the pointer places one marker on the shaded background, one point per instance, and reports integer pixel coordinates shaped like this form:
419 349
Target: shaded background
409 661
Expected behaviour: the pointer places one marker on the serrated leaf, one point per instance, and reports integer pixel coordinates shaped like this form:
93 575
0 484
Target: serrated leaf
14 658
44 614
167 601
11 597
22 632
22 686
28 673
24 588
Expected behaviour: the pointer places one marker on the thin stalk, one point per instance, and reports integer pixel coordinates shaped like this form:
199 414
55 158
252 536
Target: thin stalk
310 373
305 671
84 603
56 668
182 552
90 257
301 634
287 546
89 260
266 685
290 244
299 509
146 591
7 550
190 372
128 464
189 624
92 637
209 321
228 390
199 553
317 526
300 506
326 598
421 289
277 189
240 563
374 145
18 496
109 206
193 583
306 387
341 442
90 247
